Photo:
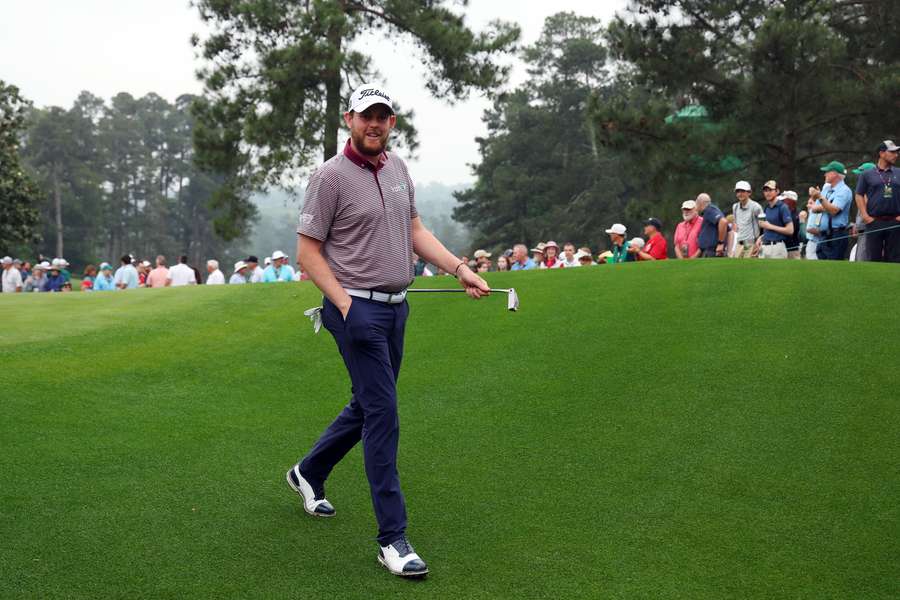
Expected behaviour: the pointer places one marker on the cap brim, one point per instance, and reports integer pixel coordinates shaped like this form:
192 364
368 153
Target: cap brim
371 101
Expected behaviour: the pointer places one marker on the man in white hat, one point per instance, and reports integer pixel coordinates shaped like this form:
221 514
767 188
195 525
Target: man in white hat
619 247
746 217
215 277
277 272
240 273
358 230
12 279
688 231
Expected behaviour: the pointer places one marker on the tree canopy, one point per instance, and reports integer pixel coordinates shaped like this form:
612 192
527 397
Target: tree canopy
19 195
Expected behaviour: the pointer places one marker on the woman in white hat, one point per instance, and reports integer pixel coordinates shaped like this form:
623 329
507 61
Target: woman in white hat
240 273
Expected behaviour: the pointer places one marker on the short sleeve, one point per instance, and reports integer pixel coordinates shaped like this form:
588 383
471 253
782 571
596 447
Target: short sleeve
861 184
413 211
319 207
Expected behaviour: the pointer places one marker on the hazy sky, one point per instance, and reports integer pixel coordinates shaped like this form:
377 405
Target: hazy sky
54 49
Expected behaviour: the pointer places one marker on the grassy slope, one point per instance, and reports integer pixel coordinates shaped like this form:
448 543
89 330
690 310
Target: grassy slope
636 431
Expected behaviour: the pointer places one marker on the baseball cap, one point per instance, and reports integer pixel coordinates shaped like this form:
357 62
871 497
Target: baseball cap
617 228
239 265
368 94
252 259
863 167
771 184
742 186
278 254
582 254
267 260
637 242
789 194
103 266
837 167
145 263
888 145
481 254
688 205
655 222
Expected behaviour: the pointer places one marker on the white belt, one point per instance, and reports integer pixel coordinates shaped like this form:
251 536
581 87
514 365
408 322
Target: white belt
397 298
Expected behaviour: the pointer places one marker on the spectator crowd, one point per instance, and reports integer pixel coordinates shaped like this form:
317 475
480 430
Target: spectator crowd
775 227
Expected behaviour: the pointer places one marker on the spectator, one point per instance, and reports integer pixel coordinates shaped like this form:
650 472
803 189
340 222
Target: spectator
687 232
537 255
215 277
87 280
656 247
418 266
12 278
714 231
54 281
254 272
240 273
620 247
181 274
584 258
878 200
794 243
482 256
833 200
777 226
126 277
484 266
157 277
746 217
551 256
568 258
521 262
66 286
35 281
859 226
104 281
276 272
286 265
24 269
63 266
503 263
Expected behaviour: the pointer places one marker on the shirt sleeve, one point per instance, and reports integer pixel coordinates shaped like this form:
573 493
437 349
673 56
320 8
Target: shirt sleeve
413 211
861 184
843 198
786 215
319 207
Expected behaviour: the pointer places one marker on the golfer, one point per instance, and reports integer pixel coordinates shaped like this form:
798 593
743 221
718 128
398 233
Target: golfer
357 234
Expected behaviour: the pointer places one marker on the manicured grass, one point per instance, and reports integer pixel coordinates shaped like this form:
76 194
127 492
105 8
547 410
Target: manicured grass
714 429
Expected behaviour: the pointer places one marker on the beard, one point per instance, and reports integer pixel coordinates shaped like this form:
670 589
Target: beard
368 145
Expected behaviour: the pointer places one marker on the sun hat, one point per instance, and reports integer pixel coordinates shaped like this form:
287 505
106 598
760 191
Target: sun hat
539 248
742 186
837 167
6 260
278 254
44 265
688 205
239 265
789 194
481 254
551 244
863 167
888 145
367 95
617 229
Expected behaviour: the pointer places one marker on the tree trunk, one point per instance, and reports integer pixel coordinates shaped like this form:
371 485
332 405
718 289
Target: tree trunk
57 205
332 96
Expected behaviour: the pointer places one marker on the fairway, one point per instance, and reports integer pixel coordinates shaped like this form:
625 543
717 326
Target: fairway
704 429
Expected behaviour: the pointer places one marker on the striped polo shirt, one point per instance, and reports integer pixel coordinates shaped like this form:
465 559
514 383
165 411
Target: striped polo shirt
362 214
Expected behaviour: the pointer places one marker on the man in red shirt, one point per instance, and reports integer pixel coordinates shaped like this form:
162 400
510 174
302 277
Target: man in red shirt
656 247
687 231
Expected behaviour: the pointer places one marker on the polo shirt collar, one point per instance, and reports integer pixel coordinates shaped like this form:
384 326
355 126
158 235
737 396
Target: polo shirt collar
362 161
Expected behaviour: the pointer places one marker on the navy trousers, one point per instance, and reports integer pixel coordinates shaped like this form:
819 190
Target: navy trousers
371 343
831 249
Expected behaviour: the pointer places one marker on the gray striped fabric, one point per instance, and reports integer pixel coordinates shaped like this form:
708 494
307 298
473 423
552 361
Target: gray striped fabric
363 217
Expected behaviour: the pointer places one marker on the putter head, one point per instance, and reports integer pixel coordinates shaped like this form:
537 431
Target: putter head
512 300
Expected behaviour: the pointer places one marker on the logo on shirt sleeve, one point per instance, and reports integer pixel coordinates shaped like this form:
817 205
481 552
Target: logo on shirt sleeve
305 218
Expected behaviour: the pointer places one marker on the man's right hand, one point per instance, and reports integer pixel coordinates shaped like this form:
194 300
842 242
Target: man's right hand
867 219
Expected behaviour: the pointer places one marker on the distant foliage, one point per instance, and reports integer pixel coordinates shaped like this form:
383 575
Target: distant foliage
19 196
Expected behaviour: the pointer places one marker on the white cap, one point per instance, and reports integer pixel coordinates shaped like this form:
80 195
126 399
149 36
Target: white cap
6 260
239 265
56 262
743 186
278 254
637 242
146 263
688 205
268 260
582 254
368 94
789 194
618 229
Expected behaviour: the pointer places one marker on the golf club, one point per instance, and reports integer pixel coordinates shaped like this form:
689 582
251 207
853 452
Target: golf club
512 298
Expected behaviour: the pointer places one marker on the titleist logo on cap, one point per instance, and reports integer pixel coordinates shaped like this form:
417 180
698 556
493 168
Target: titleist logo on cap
372 92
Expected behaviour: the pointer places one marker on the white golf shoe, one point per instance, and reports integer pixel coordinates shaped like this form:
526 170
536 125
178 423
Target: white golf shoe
314 501
400 559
